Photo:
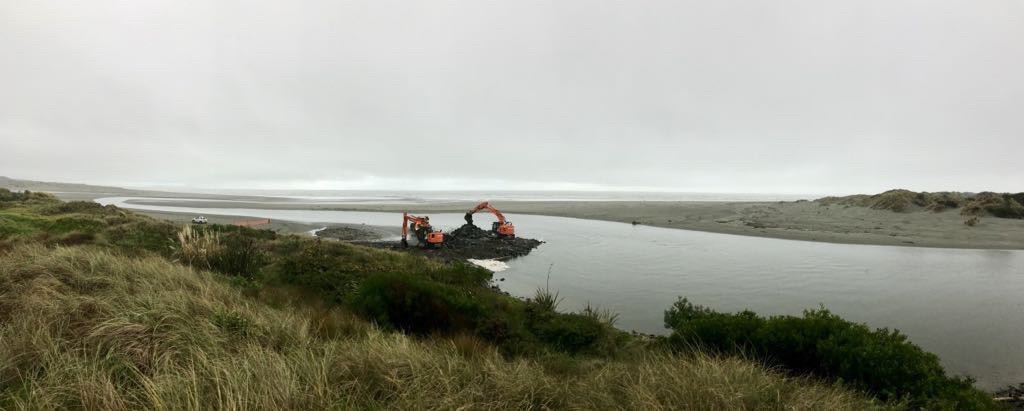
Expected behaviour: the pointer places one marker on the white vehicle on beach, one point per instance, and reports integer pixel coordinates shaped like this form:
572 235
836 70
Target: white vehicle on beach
199 220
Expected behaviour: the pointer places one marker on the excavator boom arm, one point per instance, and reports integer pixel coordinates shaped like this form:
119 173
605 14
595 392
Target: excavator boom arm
485 206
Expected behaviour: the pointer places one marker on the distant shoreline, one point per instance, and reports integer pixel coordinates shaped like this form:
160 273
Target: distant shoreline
799 220
805 220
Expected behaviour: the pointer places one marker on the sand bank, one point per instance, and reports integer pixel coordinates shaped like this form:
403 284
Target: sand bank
805 220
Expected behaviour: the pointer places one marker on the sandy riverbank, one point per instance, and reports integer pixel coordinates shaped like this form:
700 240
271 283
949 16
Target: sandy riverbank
805 220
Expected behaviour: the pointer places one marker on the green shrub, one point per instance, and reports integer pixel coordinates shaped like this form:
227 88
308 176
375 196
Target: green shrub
417 305
143 235
335 269
76 223
1009 208
545 299
458 273
13 196
232 323
881 362
74 238
239 256
997 205
1019 197
319 267
246 232
572 333
70 207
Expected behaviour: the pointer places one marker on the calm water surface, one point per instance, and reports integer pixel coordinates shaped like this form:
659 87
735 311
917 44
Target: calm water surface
967 306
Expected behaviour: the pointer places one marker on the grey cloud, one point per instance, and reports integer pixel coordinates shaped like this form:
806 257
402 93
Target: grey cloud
746 96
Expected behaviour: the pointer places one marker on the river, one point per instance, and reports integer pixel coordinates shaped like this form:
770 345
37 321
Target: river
967 306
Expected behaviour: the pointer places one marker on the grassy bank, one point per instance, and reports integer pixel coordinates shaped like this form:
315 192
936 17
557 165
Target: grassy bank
102 308
1000 205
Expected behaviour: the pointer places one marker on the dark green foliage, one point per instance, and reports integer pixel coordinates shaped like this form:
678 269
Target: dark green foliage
422 297
83 207
996 205
317 266
74 238
75 223
881 362
14 196
336 269
572 333
143 235
1010 208
232 323
239 256
418 305
245 232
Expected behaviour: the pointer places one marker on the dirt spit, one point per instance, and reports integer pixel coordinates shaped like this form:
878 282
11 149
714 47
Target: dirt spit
470 241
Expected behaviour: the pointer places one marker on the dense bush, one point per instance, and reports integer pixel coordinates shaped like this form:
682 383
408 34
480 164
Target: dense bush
10 196
572 333
337 269
238 255
997 205
1009 208
318 266
881 362
84 207
418 305
143 235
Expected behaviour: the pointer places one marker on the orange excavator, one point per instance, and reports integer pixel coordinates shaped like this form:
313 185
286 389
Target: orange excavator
420 226
502 227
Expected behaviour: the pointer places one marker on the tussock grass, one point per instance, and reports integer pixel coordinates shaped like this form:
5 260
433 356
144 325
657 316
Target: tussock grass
901 200
1003 205
602 315
82 327
997 205
546 299
198 246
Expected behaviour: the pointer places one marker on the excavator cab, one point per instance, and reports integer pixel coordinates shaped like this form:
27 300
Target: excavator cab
434 238
421 228
504 230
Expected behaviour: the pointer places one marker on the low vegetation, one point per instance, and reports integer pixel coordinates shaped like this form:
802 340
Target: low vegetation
103 308
1004 205
881 362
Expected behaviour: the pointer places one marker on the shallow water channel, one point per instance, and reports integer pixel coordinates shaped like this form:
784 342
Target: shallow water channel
967 306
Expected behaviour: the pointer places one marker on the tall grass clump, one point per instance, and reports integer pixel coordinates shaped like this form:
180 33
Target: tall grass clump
198 247
545 299
86 328
602 315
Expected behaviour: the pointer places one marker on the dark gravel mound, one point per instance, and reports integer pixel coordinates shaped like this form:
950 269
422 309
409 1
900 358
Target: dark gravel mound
470 241
469 232
474 242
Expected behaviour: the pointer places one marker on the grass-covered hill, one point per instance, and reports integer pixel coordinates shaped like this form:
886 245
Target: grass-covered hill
1002 205
101 308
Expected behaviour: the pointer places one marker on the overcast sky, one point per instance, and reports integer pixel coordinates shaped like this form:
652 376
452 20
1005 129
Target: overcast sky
808 96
